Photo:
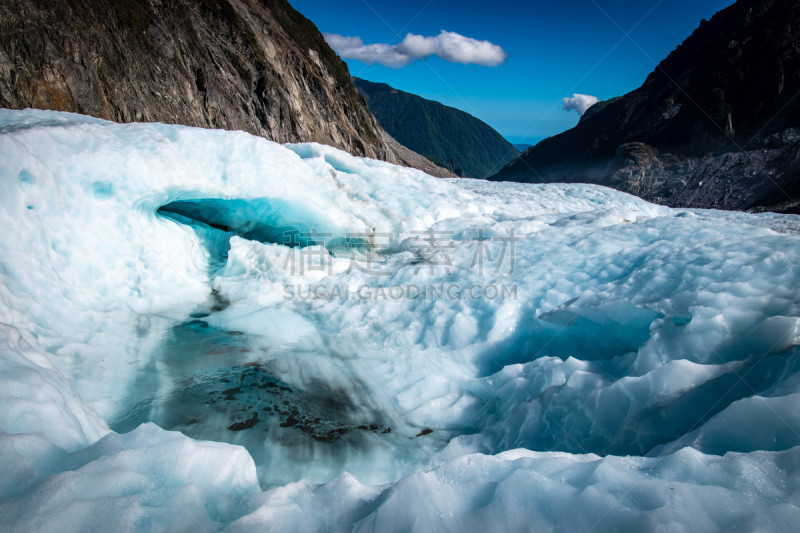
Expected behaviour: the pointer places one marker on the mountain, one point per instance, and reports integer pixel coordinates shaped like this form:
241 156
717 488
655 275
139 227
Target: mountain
717 124
252 65
522 147
447 136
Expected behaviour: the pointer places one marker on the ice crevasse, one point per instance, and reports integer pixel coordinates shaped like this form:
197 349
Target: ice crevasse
203 329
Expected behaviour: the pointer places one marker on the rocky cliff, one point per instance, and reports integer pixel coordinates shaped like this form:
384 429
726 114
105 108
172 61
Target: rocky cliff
716 124
252 65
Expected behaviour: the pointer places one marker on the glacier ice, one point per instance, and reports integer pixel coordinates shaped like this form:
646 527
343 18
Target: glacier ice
204 329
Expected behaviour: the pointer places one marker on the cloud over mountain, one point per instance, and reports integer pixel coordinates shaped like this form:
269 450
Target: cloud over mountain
579 102
448 45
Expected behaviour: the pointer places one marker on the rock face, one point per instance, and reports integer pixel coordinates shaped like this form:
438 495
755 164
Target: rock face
447 136
252 65
717 124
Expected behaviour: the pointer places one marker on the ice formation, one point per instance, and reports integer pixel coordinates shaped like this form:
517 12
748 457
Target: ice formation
204 329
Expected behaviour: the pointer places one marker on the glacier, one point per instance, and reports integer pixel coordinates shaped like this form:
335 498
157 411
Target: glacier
205 330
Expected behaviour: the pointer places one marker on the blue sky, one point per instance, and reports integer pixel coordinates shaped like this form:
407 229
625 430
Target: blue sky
554 49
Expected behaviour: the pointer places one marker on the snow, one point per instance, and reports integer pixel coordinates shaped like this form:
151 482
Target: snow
204 329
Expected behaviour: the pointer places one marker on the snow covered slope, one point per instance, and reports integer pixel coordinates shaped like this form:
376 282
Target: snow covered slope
341 344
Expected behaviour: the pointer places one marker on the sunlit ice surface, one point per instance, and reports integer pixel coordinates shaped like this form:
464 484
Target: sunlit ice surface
207 329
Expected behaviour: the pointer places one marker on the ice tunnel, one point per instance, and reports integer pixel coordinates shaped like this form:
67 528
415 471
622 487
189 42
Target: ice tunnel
267 220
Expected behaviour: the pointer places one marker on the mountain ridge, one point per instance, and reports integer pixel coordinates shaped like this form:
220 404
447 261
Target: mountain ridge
716 124
448 136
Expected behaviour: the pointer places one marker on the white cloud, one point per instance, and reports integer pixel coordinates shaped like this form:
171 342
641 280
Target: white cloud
354 48
579 103
447 45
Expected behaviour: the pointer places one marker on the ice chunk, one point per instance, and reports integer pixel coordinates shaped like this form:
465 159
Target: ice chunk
148 479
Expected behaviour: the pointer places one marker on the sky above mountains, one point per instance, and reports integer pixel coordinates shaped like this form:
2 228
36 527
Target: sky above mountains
509 63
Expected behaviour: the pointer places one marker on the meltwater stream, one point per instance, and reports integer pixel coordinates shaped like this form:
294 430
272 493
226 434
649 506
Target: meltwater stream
230 386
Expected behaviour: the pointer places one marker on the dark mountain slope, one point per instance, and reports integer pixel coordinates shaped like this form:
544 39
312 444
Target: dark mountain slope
252 65
447 136
715 125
